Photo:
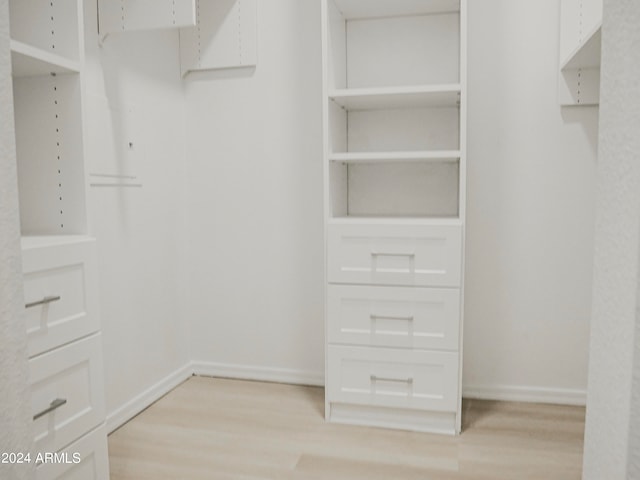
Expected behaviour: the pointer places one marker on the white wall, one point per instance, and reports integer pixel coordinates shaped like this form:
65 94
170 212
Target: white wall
530 211
140 230
15 423
612 437
255 220
254 205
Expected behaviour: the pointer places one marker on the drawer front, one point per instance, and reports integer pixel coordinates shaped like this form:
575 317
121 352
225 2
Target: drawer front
60 294
71 376
411 255
85 459
386 377
394 316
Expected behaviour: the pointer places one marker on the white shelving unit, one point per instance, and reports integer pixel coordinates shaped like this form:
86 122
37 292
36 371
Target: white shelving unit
58 257
395 167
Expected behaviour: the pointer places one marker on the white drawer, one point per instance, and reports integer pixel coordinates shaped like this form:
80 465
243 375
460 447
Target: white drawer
61 276
398 254
387 377
406 317
73 374
85 459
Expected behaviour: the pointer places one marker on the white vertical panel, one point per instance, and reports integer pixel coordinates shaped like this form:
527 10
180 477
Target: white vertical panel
336 47
225 36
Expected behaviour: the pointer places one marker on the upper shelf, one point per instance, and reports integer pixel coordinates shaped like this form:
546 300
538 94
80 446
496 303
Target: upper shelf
397 97
587 53
386 157
353 9
27 60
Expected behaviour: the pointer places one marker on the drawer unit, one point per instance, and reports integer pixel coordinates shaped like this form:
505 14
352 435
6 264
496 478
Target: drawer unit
67 397
85 459
404 317
401 254
60 292
386 377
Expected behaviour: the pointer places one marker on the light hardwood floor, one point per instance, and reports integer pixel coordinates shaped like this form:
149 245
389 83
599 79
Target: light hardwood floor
221 429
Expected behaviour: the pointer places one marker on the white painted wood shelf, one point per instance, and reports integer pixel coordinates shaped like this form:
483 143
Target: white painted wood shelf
359 9
27 60
397 97
391 157
395 221
587 53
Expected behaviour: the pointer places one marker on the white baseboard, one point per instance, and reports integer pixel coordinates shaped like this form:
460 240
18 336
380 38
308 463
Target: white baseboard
509 393
264 374
133 407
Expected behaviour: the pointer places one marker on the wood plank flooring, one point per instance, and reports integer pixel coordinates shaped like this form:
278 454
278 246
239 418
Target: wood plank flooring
220 429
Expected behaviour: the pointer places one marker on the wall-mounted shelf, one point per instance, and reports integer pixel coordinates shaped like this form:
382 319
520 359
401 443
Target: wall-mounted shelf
357 9
135 15
579 58
27 60
394 221
390 157
587 53
225 36
397 97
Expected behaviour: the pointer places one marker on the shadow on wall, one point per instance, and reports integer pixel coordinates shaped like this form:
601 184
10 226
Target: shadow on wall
584 116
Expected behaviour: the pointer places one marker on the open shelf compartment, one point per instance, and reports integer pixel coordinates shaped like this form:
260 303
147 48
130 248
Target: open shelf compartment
27 60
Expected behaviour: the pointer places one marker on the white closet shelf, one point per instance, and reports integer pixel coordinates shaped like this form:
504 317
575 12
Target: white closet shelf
447 95
379 220
390 157
353 9
27 60
37 241
587 53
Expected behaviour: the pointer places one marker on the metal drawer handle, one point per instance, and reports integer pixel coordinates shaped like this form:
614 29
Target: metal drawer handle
57 403
392 254
44 301
375 378
391 317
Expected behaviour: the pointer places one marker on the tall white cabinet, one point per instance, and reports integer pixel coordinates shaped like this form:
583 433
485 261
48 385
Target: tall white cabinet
395 179
58 255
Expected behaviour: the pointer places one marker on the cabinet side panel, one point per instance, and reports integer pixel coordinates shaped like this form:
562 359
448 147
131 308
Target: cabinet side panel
336 48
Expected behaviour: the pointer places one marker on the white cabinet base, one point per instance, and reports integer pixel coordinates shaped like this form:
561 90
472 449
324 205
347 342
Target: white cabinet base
85 459
396 418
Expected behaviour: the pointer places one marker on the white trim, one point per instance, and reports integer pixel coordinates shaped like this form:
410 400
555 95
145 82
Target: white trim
263 374
560 396
137 404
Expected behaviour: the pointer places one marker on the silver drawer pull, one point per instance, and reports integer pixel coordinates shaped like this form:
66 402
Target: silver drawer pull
57 403
44 301
392 254
375 378
391 317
